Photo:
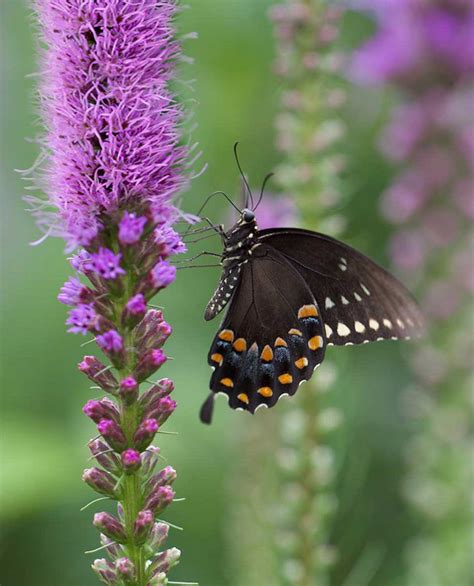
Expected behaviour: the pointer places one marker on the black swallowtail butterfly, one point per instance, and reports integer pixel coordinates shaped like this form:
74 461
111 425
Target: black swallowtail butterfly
291 293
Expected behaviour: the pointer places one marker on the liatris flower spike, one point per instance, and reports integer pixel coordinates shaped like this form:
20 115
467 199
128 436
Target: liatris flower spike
113 164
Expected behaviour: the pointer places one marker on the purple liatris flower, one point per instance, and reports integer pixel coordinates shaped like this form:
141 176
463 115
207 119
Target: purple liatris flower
425 50
131 228
114 163
83 319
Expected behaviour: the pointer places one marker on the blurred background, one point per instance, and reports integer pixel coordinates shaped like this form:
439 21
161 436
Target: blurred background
43 431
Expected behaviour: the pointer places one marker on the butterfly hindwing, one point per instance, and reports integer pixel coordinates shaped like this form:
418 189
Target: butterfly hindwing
359 301
272 336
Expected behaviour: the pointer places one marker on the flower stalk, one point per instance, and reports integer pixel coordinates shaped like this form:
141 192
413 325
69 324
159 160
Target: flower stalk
421 50
113 163
309 135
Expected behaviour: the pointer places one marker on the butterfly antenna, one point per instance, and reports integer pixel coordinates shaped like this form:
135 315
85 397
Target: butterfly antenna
212 195
205 415
265 181
249 191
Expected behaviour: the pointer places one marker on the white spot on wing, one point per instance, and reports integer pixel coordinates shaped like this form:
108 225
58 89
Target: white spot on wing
344 300
359 327
329 303
357 297
342 329
374 324
364 289
328 330
343 267
387 323
400 323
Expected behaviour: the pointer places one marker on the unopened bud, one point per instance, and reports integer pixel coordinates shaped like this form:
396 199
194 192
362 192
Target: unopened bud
145 433
159 499
128 390
113 434
150 459
131 460
143 526
105 571
105 456
125 569
110 526
164 561
98 373
100 480
103 409
164 477
158 535
149 363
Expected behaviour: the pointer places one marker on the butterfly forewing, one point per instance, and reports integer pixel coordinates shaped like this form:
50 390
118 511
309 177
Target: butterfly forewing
272 337
359 301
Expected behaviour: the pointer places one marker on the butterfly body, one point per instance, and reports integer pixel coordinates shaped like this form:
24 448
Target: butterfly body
291 293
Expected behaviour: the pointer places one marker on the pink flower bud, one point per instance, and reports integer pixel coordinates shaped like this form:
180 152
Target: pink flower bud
151 397
164 561
149 363
145 434
100 480
164 477
159 499
110 526
161 410
111 343
113 434
150 459
103 409
134 310
158 535
128 390
104 456
131 460
105 571
98 373
143 526
125 569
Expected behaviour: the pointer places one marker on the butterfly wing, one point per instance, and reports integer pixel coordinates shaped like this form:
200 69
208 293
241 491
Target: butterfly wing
359 301
271 338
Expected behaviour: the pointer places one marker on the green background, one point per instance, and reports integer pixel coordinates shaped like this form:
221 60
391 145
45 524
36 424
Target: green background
43 430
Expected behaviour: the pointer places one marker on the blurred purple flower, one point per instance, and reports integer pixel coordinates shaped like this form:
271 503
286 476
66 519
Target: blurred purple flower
276 212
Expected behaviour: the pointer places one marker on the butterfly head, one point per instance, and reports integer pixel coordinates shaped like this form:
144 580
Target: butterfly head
247 216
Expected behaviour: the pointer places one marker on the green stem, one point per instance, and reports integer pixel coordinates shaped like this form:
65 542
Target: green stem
132 498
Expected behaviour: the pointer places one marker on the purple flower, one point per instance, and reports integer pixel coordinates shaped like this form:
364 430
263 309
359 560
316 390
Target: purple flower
169 241
114 161
72 292
83 319
106 264
162 274
111 341
131 460
108 145
131 228
276 212
136 305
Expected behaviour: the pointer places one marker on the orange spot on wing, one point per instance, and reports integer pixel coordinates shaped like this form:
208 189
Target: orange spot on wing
265 392
244 398
295 332
280 342
315 342
307 311
285 379
240 345
267 354
227 382
301 363
226 335
217 358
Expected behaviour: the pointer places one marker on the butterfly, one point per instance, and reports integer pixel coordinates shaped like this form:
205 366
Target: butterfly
290 293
